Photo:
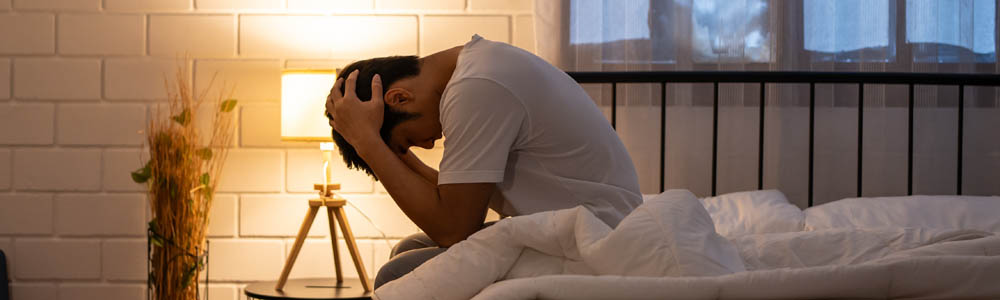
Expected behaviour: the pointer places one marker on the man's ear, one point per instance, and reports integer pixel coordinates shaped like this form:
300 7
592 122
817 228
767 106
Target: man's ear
398 96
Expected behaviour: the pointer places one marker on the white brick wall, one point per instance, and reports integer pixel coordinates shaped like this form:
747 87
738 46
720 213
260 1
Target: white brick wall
57 169
443 32
57 78
4 78
25 214
195 35
137 78
4 169
80 78
100 124
57 258
29 33
26 124
100 215
118 164
87 291
71 5
253 80
101 34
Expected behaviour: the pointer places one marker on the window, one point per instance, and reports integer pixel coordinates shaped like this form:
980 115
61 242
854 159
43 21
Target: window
848 30
951 31
728 30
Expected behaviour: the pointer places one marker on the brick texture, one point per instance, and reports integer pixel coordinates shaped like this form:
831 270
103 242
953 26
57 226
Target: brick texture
57 169
26 124
148 5
252 171
118 166
4 78
100 215
262 127
299 36
399 36
123 259
28 33
521 5
278 216
197 35
222 292
5 166
86 291
222 218
421 4
524 32
305 167
23 214
330 5
101 34
74 5
139 79
257 80
238 4
57 79
246 260
100 124
34 291
443 32
58 259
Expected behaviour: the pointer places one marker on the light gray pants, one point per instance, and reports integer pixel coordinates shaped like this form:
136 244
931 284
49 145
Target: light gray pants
409 254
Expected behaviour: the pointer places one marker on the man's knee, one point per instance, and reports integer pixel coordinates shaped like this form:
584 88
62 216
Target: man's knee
404 263
414 241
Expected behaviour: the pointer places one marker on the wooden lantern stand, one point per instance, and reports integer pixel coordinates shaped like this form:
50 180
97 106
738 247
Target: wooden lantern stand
334 210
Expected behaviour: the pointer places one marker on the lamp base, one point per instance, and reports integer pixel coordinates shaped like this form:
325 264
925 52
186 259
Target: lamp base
309 288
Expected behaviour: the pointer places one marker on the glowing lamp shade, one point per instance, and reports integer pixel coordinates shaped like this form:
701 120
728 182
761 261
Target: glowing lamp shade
303 103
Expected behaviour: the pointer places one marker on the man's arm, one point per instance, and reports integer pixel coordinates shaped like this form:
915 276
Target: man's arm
414 162
447 214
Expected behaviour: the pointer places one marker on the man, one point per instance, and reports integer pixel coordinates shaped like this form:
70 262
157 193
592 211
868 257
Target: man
521 137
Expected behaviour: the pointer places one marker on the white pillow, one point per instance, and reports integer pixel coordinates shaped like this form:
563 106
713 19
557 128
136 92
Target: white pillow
935 212
754 212
668 235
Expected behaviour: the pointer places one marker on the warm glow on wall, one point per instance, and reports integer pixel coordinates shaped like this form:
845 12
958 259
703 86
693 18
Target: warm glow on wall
303 103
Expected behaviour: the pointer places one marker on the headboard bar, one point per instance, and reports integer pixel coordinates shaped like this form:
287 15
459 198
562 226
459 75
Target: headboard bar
812 78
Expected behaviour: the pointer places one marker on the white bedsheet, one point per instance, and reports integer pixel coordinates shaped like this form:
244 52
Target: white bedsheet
668 248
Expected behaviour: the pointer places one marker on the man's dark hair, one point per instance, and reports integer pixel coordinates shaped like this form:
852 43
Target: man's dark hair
391 69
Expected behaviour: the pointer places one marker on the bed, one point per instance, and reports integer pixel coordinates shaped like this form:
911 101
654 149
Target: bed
745 245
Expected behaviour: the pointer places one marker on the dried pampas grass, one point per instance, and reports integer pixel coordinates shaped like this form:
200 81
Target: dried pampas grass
181 174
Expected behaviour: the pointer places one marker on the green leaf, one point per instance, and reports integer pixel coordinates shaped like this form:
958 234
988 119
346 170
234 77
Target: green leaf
184 118
142 174
204 153
188 276
228 105
205 179
156 240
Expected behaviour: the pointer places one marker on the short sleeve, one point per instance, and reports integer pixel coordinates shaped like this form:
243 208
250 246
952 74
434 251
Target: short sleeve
481 120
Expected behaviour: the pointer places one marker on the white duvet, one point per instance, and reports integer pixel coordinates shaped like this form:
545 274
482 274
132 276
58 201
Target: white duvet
669 248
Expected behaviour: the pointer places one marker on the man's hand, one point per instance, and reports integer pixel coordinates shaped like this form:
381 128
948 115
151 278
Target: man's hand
356 121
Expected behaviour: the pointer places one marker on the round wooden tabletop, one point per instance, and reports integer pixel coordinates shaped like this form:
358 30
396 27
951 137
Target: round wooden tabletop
309 289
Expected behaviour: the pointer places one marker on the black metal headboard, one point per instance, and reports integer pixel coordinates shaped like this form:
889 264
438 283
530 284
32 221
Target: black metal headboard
812 78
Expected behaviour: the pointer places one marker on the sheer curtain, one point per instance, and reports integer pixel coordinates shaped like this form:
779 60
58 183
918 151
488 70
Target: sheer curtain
820 35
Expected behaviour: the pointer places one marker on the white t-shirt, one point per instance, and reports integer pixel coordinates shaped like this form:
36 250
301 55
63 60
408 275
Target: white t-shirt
511 118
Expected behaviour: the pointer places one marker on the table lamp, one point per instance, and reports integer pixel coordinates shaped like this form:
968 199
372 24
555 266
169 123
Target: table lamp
303 103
